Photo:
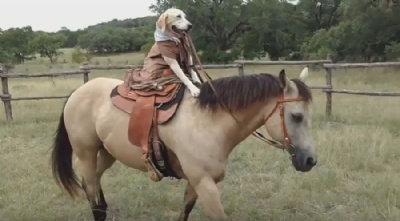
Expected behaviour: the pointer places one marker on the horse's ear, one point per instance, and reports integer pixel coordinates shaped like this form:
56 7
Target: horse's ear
162 22
304 74
284 80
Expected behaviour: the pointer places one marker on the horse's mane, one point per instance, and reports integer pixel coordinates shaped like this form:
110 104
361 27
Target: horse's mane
238 92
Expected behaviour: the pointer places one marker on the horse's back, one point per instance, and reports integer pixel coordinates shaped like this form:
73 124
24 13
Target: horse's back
91 95
98 85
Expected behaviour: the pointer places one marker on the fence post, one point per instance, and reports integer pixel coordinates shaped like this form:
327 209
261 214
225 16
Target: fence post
86 69
5 97
240 67
328 109
328 93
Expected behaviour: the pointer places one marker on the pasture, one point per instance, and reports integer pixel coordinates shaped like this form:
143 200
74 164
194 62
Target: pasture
357 176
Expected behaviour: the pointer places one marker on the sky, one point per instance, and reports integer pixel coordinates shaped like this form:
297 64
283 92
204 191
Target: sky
51 15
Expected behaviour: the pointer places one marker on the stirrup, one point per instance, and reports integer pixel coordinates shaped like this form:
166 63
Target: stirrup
155 175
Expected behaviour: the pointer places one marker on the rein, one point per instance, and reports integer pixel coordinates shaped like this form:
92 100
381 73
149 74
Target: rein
287 145
156 84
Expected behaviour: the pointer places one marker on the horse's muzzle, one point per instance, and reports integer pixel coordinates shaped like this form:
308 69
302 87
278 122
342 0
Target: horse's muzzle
303 161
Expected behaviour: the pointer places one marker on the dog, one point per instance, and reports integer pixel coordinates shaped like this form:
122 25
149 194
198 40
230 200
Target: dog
169 27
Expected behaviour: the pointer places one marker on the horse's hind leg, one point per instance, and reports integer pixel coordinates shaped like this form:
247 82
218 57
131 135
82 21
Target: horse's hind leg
87 161
92 170
104 161
188 202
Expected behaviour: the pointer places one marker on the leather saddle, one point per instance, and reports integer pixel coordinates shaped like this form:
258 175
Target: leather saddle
148 108
166 99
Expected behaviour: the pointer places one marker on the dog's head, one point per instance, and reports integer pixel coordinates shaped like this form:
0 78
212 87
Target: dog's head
173 20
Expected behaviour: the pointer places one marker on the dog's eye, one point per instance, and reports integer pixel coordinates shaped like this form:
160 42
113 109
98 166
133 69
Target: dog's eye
179 16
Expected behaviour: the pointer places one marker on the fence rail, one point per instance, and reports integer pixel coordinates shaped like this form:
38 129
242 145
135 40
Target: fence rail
362 65
367 93
311 62
85 69
336 66
7 98
39 75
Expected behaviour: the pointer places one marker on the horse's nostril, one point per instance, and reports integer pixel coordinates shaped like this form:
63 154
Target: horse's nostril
311 162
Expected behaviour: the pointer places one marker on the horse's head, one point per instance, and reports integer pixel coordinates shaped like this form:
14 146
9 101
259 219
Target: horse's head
282 105
290 121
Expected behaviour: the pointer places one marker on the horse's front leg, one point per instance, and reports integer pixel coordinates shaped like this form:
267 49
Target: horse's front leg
188 202
209 196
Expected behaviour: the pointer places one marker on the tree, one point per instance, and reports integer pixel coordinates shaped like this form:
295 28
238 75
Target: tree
392 51
365 31
320 14
112 40
224 30
17 43
276 29
218 24
71 37
5 55
47 45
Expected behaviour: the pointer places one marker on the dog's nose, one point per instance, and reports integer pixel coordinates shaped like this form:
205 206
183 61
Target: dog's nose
190 26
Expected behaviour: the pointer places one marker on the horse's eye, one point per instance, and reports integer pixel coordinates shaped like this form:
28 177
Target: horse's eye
297 117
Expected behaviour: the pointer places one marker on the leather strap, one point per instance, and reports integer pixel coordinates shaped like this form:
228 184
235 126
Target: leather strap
140 123
156 143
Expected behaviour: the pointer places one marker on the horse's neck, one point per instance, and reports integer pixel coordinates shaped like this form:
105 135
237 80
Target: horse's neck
248 120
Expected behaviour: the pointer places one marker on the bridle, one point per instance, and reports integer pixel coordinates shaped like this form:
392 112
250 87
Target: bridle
287 144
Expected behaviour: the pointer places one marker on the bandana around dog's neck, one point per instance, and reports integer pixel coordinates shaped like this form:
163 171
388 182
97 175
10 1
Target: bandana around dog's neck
159 36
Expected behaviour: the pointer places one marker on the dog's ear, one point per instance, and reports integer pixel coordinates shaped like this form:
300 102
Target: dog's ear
162 22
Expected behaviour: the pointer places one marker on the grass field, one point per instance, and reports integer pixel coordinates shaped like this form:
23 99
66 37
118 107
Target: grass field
357 177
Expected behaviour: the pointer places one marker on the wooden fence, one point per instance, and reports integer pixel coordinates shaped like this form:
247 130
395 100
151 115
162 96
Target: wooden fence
240 65
331 90
6 96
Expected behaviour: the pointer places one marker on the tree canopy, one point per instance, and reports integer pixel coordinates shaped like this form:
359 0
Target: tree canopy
224 30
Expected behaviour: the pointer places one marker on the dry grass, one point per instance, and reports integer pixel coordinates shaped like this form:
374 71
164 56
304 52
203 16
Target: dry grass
357 177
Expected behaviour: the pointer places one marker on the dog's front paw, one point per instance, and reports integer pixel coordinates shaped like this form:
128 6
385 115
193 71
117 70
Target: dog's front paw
194 91
176 40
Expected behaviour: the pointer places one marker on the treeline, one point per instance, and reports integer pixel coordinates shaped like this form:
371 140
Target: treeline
224 30
20 44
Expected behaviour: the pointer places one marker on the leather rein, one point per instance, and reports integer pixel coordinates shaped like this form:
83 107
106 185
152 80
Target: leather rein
287 145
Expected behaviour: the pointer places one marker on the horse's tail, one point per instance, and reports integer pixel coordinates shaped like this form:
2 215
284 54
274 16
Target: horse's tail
61 160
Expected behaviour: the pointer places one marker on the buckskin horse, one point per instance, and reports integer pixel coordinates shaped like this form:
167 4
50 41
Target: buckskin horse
199 137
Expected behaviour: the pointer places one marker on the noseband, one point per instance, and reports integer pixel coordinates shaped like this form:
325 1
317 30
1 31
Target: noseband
287 145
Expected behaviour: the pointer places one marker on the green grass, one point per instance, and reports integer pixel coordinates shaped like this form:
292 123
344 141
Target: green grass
357 177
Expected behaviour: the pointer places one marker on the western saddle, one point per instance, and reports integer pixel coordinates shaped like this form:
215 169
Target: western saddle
149 105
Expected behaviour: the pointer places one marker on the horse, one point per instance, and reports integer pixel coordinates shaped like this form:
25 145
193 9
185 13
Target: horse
200 137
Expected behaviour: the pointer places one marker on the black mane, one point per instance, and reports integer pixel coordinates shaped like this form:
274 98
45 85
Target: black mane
238 92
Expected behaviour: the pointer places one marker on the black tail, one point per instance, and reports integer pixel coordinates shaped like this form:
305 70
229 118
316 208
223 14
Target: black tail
61 160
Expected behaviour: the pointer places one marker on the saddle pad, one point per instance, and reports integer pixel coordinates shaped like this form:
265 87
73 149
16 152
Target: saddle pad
163 96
